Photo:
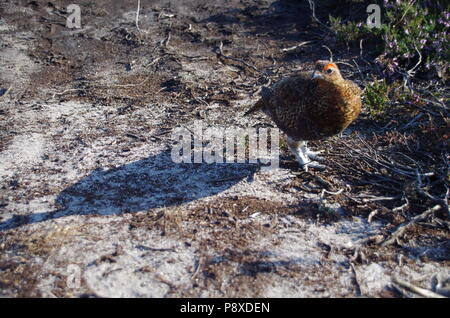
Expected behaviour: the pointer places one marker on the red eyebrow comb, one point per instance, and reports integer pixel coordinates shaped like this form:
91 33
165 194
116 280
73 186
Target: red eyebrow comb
329 65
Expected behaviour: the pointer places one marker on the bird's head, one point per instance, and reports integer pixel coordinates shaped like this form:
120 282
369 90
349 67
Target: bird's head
326 70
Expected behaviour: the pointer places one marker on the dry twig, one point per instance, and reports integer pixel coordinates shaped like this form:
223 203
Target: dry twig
415 289
288 49
402 228
235 59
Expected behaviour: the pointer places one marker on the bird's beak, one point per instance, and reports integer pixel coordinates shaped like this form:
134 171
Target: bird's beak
316 74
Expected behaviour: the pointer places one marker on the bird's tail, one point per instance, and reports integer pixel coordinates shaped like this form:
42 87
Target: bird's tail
258 106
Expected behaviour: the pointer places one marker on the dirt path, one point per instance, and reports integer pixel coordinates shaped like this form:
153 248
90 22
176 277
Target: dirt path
91 202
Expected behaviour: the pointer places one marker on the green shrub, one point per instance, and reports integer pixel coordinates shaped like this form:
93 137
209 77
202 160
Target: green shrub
353 32
412 31
376 98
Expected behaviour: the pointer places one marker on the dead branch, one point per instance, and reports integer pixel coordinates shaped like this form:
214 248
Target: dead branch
373 198
421 191
331 53
235 59
288 49
372 215
137 17
67 91
415 289
329 192
199 266
313 13
402 207
403 227
6 92
355 276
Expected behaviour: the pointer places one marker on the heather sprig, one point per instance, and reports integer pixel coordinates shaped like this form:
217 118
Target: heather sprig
412 33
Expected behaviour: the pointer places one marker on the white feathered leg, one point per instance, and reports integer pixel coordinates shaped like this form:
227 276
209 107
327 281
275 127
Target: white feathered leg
313 155
296 149
300 151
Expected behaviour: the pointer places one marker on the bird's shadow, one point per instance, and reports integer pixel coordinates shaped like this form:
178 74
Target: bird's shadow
153 182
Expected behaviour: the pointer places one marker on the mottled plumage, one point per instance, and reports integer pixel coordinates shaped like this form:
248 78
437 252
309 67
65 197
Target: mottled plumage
309 107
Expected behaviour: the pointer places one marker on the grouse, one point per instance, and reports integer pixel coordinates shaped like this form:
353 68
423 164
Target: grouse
309 107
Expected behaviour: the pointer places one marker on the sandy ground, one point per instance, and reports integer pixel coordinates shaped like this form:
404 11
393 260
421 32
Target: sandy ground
91 203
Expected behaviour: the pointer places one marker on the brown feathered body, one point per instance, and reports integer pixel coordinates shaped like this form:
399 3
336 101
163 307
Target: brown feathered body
307 108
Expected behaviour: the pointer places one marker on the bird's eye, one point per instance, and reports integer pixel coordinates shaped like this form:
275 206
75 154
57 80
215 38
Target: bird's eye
329 71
